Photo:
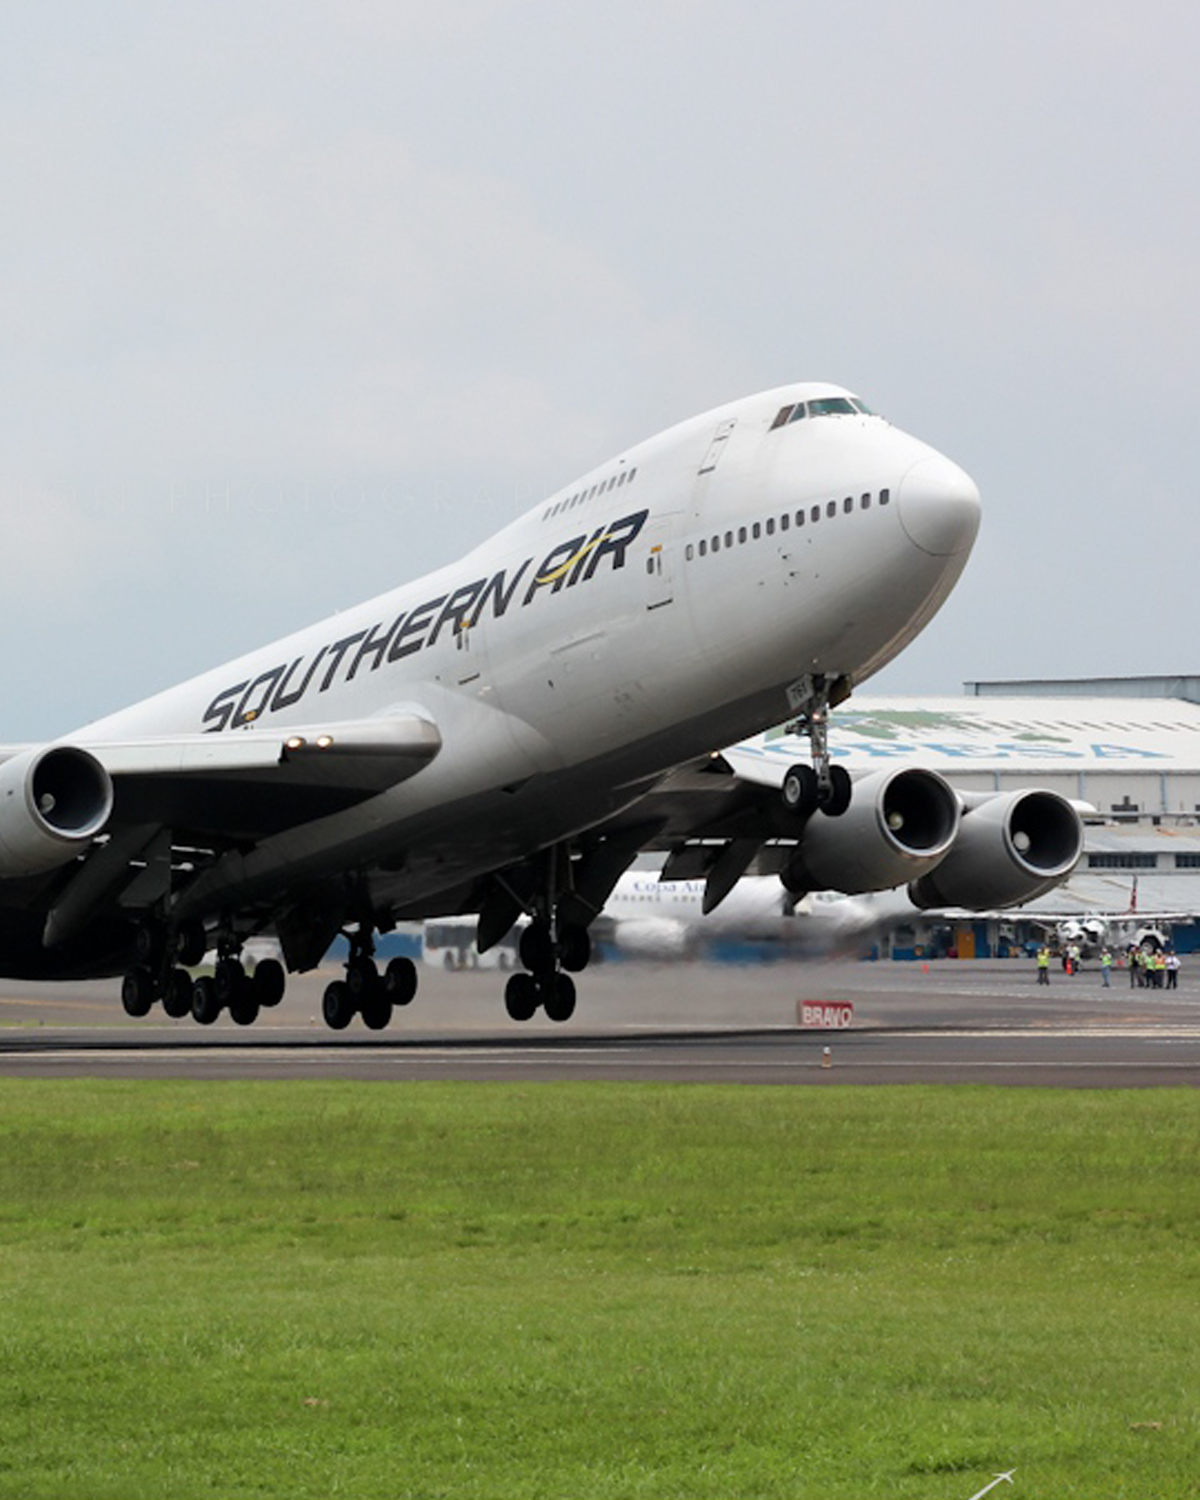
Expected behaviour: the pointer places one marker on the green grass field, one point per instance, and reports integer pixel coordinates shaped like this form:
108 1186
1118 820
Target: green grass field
584 1290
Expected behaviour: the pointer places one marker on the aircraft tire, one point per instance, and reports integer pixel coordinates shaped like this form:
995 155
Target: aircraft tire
177 997
137 991
270 981
521 996
400 980
228 977
536 948
243 1008
205 1005
362 978
800 790
841 789
191 943
560 998
376 1011
337 1006
148 943
574 948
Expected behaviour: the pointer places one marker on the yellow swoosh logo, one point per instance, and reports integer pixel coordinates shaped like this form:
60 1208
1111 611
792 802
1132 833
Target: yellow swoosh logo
571 561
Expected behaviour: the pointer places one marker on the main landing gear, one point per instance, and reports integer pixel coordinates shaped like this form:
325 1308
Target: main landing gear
163 956
365 991
231 988
551 954
160 973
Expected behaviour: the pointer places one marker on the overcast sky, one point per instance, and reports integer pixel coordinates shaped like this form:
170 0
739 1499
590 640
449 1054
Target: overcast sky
298 300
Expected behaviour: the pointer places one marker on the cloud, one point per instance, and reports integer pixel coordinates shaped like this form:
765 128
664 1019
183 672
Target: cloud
297 300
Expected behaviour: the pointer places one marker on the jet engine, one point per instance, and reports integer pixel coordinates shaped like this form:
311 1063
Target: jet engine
1010 848
53 802
900 823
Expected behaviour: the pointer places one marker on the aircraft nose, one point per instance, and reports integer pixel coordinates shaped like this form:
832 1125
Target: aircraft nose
939 507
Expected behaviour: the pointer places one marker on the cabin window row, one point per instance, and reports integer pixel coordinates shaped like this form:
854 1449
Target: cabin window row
601 487
805 516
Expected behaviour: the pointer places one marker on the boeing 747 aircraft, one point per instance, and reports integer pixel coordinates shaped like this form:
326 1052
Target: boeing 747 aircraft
657 919
504 735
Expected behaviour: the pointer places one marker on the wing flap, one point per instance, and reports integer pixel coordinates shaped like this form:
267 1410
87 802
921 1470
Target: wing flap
251 783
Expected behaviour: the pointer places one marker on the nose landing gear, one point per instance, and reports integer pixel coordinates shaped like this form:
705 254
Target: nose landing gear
822 786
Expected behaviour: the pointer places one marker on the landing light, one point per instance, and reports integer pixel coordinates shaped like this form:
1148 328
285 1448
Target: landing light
324 741
295 743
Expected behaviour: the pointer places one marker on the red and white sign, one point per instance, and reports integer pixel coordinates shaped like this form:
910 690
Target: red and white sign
818 1015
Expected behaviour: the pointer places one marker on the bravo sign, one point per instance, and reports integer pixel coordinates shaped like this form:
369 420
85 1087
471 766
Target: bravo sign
817 1015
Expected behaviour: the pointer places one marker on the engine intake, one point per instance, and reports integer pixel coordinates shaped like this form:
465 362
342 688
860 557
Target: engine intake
53 802
1010 849
899 824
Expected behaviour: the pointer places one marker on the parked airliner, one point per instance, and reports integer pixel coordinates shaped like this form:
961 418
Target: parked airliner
503 736
650 918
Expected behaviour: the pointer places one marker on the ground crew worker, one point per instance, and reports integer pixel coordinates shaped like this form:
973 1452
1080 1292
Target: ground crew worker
1106 963
1172 970
1043 964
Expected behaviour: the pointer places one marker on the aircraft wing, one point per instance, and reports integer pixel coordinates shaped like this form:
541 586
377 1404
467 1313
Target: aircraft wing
251 784
214 790
729 815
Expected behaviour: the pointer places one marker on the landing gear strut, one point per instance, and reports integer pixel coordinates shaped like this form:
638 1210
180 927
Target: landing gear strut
365 991
822 785
164 953
230 988
551 953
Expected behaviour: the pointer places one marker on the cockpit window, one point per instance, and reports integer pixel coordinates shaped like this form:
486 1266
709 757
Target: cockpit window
825 406
831 406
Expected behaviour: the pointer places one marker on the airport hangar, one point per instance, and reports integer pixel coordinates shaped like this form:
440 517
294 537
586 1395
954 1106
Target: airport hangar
1128 748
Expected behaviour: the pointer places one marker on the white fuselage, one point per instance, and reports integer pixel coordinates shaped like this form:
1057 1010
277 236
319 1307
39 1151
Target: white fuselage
655 609
660 919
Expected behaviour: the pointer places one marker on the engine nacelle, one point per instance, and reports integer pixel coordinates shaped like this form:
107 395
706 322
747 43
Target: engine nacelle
53 802
899 824
1011 848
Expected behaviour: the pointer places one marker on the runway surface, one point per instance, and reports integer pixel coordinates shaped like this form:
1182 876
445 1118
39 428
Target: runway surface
984 1021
